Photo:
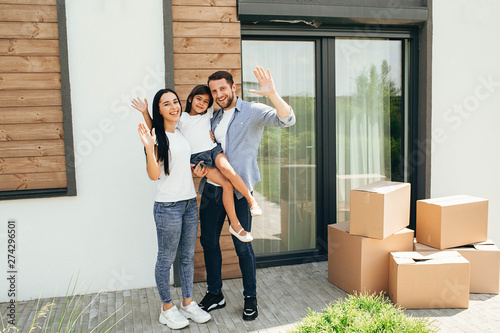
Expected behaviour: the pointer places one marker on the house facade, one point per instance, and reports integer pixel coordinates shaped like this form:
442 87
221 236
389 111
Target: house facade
383 90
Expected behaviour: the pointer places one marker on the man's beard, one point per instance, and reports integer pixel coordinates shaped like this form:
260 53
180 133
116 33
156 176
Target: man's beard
228 101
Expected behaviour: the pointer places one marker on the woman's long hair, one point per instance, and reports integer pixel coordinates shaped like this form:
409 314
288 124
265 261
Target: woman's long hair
199 90
159 126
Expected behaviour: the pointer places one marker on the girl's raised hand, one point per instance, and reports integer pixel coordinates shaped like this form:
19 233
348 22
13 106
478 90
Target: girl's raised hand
142 106
266 82
148 139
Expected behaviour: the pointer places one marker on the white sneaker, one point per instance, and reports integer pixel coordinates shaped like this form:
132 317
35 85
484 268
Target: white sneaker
172 318
195 313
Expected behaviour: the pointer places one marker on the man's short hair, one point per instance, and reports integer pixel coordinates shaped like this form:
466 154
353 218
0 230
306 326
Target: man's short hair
221 75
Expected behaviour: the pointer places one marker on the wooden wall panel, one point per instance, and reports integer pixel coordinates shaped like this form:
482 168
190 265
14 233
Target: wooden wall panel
30 81
209 60
14 64
210 30
30 2
30 98
21 132
204 14
32 164
207 38
207 45
32 148
42 114
220 3
28 30
32 151
187 76
33 181
23 13
27 47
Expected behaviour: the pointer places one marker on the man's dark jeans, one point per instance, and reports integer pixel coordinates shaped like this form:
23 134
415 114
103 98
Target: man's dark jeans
212 216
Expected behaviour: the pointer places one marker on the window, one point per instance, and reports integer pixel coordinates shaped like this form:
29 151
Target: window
36 150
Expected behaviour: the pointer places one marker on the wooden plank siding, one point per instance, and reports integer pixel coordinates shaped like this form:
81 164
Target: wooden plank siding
32 152
207 38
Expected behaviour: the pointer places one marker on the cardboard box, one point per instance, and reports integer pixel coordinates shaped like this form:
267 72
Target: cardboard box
357 263
428 280
452 221
484 259
380 209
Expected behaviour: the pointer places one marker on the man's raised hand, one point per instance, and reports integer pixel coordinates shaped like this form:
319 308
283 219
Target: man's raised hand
266 82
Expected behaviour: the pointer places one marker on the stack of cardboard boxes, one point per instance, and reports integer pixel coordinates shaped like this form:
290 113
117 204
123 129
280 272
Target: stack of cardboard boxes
358 250
451 257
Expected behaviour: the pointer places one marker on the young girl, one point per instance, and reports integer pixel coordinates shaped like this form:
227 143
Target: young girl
175 208
195 126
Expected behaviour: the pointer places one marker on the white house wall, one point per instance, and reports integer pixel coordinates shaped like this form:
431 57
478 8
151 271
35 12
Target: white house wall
106 234
465 154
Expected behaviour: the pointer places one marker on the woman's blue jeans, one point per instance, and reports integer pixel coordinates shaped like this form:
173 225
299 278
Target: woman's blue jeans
176 229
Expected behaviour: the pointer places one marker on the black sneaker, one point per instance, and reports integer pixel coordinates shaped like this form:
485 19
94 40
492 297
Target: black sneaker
212 301
250 311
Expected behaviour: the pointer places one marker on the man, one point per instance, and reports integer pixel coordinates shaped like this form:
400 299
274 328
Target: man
238 127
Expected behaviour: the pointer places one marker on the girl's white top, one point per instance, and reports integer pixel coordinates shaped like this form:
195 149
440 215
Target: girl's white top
196 129
178 185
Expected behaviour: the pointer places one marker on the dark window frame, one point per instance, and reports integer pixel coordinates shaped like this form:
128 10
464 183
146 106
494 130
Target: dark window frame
70 189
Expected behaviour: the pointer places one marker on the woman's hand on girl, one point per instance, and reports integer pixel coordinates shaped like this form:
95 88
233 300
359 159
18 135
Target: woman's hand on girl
199 170
139 105
148 139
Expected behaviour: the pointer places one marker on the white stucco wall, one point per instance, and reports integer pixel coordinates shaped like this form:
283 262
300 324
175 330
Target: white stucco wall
466 103
105 234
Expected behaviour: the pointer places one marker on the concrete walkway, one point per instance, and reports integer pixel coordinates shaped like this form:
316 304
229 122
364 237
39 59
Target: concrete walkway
284 293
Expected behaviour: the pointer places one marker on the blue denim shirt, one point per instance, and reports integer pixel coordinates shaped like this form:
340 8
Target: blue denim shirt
244 134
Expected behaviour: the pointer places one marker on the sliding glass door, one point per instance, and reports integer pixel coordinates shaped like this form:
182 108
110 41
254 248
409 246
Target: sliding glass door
350 96
368 93
287 156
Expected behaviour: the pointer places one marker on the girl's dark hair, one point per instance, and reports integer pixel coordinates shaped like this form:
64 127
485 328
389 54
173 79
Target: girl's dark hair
198 90
159 126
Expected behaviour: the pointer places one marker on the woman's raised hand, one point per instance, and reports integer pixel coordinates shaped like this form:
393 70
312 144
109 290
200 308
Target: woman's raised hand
142 106
148 139
266 82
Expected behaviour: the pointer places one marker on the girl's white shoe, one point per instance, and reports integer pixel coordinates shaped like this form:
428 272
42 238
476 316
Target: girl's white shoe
255 210
246 238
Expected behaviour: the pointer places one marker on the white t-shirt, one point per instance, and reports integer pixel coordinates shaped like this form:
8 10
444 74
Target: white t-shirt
178 185
221 129
196 129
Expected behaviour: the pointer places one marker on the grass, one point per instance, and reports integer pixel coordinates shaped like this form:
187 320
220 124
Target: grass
69 318
362 313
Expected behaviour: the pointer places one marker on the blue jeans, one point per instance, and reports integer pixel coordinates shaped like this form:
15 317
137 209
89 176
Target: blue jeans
176 229
212 216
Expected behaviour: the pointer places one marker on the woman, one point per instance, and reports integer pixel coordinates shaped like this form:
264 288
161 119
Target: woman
175 208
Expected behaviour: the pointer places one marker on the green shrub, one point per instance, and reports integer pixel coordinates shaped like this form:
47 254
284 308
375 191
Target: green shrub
362 313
